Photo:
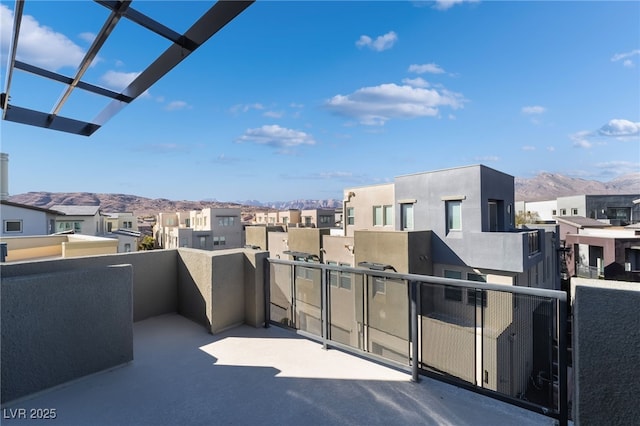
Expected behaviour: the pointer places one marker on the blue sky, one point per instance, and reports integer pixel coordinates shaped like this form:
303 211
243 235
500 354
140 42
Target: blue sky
302 99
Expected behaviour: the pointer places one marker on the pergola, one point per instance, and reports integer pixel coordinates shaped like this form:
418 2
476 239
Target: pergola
182 45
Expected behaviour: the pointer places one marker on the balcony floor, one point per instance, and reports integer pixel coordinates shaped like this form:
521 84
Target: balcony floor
182 375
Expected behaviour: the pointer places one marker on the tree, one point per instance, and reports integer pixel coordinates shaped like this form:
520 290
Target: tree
528 217
147 243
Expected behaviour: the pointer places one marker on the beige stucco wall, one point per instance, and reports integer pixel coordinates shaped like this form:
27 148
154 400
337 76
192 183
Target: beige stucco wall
338 249
407 252
307 240
363 201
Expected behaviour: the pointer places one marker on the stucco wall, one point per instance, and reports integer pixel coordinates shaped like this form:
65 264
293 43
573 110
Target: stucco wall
59 326
221 289
606 351
33 222
154 276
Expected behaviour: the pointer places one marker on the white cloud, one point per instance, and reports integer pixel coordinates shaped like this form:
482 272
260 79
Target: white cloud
551 148
618 167
426 68
38 45
532 110
295 105
528 148
416 82
626 55
381 43
276 137
580 139
117 80
245 107
177 105
620 128
274 114
626 58
87 36
447 4
378 104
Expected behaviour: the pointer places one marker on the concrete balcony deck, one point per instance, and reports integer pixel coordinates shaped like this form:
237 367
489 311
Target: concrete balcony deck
182 375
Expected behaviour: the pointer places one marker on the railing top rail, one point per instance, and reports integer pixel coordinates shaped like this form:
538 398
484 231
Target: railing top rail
429 279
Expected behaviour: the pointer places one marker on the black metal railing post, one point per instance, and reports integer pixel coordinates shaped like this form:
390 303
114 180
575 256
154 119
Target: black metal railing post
413 290
266 268
563 404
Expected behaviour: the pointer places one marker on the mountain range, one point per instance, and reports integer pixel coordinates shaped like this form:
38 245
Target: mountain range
545 186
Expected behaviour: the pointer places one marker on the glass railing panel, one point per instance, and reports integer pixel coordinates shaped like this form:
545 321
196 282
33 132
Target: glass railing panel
280 294
449 332
388 318
308 299
346 308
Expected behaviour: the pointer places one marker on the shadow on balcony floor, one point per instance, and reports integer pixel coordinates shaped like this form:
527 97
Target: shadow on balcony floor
182 375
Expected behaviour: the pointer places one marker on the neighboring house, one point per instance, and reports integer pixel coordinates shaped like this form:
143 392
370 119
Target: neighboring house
206 229
23 220
615 209
369 207
128 240
310 218
599 250
116 221
87 220
545 210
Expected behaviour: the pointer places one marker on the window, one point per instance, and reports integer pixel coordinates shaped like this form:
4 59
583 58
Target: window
187 223
563 212
304 273
12 226
127 247
454 215
474 296
203 241
477 297
68 226
325 219
377 215
554 212
228 220
534 246
574 212
219 241
351 218
340 279
450 292
388 215
406 212
307 221
285 220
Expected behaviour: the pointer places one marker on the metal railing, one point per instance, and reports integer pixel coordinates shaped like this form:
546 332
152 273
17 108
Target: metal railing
586 271
503 341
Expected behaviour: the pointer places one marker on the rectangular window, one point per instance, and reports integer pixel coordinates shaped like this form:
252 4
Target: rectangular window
12 226
203 241
219 241
226 220
454 215
574 212
307 221
477 297
388 216
450 292
377 215
285 220
187 223
127 247
334 276
351 218
554 212
345 278
325 219
406 212
534 246
563 212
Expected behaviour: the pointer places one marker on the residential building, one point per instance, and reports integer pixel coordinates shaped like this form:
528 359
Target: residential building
598 250
544 210
615 209
87 220
206 229
124 220
24 220
309 218
370 207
